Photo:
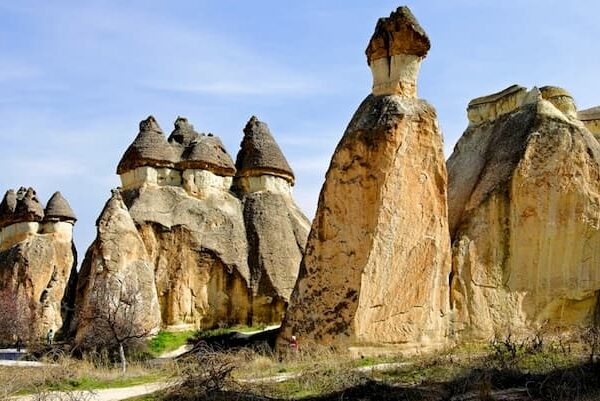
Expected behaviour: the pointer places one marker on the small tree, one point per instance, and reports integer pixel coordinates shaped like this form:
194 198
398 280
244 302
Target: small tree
17 316
118 319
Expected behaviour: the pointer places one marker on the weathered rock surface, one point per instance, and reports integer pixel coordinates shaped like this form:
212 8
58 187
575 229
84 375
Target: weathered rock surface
524 207
276 229
378 255
199 252
38 259
219 256
116 266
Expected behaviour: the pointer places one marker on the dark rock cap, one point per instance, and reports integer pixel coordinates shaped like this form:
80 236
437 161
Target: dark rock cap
183 133
7 208
149 148
200 151
259 153
58 208
29 208
400 33
207 152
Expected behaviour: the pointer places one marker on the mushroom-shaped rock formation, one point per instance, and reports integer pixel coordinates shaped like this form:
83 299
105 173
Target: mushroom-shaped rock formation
116 269
591 119
205 163
207 152
260 154
523 204
37 266
58 209
149 148
395 52
377 259
7 208
29 208
276 228
148 152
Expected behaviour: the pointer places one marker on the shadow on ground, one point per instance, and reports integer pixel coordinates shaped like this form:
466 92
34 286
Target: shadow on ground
577 383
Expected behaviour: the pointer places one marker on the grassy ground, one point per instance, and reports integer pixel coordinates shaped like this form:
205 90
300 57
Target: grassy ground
72 374
167 341
548 370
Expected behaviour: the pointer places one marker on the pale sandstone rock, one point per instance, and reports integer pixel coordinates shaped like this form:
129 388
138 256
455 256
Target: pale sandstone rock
38 261
378 255
591 120
524 201
115 263
199 252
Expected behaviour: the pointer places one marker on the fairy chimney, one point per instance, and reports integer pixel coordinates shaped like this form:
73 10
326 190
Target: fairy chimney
395 52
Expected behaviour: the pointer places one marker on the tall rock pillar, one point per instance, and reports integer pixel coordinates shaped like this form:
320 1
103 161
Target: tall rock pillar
377 261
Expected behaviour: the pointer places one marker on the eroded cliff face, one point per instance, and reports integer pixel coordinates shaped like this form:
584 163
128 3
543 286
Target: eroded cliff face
37 263
39 269
377 259
198 249
524 210
116 269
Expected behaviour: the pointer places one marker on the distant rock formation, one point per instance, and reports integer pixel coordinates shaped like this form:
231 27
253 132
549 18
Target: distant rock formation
524 213
378 255
221 251
38 258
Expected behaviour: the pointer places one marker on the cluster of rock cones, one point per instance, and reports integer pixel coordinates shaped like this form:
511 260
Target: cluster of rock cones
406 249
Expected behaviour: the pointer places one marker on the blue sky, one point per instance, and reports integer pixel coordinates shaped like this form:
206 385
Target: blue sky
77 76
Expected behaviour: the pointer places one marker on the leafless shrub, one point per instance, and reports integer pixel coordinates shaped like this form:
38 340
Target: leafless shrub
18 316
116 319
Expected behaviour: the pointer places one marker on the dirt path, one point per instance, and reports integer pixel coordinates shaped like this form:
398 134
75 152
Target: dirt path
111 394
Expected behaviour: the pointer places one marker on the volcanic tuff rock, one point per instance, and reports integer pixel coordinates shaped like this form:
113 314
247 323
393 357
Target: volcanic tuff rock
38 257
218 256
378 254
276 229
115 265
524 207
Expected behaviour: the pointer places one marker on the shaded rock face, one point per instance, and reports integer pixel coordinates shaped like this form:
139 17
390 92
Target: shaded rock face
115 264
524 201
378 255
276 229
37 262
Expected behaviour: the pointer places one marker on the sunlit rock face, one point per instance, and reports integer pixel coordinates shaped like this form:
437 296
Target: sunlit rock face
38 259
378 255
591 120
116 268
524 207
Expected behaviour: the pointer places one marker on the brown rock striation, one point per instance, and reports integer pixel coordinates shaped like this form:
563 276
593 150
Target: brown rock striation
37 260
524 196
378 254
